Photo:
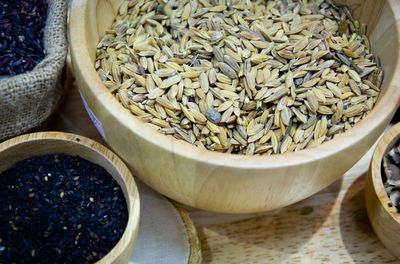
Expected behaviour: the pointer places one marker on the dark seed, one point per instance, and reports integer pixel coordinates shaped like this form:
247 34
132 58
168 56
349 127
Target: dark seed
344 59
213 116
298 81
355 67
59 209
21 35
342 28
160 10
391 175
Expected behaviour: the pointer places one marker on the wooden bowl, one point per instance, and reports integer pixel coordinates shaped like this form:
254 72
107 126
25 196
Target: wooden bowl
226 182
30 145
382 214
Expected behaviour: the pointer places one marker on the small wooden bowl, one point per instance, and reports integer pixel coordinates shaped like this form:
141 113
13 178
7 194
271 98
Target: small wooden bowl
30 145
226 182
382 214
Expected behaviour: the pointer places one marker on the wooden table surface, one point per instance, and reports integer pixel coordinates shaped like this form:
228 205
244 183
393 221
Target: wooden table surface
332 226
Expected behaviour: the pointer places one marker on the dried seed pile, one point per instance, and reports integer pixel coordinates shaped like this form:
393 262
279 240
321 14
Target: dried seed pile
59 209
21 35
249 77
391 175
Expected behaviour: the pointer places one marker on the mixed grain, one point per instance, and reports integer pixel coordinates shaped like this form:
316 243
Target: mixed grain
248 77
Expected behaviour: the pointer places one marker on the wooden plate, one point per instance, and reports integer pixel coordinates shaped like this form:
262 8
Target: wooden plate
166 232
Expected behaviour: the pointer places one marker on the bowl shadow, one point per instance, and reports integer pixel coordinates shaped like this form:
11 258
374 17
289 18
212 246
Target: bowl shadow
358 236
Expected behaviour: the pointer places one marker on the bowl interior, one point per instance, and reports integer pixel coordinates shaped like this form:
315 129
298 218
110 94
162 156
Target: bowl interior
380 29
388 141
27 146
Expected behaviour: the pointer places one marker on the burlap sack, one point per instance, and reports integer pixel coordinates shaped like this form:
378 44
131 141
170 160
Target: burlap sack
26 100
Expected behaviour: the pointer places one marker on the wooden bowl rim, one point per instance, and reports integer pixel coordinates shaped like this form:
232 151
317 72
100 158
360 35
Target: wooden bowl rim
375 171
195 255
128 180
341 142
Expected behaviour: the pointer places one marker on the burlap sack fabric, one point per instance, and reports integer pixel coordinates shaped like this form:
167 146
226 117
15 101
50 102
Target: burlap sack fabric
26 100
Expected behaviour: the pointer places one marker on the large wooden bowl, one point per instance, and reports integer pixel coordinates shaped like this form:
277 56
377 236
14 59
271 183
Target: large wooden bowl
225 182
382 214
30 145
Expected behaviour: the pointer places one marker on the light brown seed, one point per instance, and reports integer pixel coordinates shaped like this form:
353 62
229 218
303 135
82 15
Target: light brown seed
276 95
186 11
227 70
371 85
251 80
165 102
300 116
354 75
310 83
224 106
190 74
218 54
157 92
334 89
160 123
274 142
286 54
289 79
298 67
255 137
331 78
300 45
324 110
212 76
223 78
170 81
286 144
200 118
353 110
204 82
222 136
165 72
232 63
312 101
334 130
167 51
285 115
350 53
212 127
227 114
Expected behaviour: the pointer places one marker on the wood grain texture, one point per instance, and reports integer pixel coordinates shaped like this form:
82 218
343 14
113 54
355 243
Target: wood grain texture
384 218
332 232
42 143
224 182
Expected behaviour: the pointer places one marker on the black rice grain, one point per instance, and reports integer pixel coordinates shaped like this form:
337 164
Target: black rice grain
21 35
59 209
